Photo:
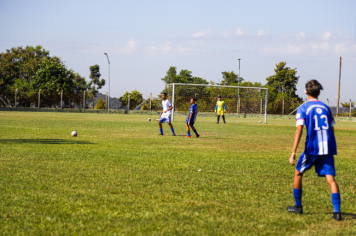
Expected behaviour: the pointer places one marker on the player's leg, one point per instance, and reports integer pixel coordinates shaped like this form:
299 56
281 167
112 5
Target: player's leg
297 193
335 196
195 131
171 126
326 167
160 127
188 130
304 163
218 119
223 118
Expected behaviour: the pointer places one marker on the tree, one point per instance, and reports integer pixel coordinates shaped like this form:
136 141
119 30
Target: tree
347 104
95 84
185 76
30 69
155 104
135 99
100 104
282 88
52 77
230 78
171 75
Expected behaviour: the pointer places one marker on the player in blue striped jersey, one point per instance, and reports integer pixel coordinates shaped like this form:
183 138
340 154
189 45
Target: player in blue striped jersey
193 113
320 146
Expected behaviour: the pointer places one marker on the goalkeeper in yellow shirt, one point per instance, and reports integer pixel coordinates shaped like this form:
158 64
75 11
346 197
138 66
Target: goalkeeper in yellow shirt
220 108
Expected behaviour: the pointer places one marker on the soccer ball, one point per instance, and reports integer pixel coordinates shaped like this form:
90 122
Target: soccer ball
260 122
74 134
149 119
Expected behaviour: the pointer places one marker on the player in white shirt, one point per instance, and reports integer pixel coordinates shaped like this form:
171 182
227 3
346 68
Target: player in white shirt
165 114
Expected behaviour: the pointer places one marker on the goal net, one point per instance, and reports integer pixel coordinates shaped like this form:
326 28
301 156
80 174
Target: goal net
239 101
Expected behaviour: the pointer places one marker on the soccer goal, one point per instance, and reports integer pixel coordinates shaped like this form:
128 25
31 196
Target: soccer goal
240 101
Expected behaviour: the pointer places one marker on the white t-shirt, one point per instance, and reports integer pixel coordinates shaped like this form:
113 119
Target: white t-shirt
166 104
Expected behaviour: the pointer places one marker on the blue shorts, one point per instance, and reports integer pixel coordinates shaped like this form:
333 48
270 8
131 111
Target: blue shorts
191 121
324 164
163 119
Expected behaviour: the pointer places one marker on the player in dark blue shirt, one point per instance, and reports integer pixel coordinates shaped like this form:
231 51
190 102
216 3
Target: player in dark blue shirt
193 112
320 147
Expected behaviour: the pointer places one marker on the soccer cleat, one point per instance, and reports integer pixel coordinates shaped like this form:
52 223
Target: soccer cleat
173 134
160 134
295 209
337 216
197 135
224 122
217 123
188 136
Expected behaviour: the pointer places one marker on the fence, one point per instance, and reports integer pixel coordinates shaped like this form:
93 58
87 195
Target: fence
251 102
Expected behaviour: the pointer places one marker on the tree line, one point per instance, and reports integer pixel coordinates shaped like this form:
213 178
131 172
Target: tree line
31 70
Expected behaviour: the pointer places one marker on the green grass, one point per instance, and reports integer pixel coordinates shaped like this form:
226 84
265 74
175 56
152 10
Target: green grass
119 177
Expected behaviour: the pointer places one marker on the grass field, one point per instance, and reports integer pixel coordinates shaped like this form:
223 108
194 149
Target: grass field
119 177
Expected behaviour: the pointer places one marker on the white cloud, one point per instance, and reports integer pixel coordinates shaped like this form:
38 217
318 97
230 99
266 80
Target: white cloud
339 31
325 47
225 34
302 35
340 48
202 33
354 47
161 48
261 33
286 49
130 47
239 32
319 47
326 35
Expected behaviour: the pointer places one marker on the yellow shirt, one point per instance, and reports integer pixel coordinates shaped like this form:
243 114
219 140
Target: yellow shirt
220 106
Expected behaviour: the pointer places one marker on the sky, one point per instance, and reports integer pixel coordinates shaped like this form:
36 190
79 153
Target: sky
144 38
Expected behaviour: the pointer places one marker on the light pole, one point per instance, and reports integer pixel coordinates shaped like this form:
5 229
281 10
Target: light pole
238 90
109 82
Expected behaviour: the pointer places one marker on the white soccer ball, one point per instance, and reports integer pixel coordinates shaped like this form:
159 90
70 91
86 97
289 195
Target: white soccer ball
260 122
74 134
149 119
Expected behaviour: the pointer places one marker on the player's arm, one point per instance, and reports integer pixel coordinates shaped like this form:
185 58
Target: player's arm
297 136
224 108
190 117
216 107
170 108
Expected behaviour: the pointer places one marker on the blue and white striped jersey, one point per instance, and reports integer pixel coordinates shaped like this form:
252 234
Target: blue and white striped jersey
194 111
318 119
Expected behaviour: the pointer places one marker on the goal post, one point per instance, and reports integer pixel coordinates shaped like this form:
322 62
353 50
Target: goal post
240 101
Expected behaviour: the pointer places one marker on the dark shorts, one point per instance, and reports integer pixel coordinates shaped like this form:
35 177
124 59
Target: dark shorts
191 122
324 164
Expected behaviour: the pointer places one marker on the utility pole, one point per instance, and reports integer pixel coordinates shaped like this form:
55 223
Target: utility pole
109 82
16 98
338 92
107 99
238 90
151 102
39 98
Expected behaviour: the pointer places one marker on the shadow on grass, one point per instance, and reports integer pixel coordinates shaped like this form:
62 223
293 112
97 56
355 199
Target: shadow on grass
45 141
345 216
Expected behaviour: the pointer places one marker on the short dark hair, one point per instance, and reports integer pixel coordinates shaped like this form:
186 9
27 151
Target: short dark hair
194 98
313 88
165 94
219 96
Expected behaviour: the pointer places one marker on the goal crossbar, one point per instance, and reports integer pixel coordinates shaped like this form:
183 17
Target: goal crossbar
174 85
221 86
